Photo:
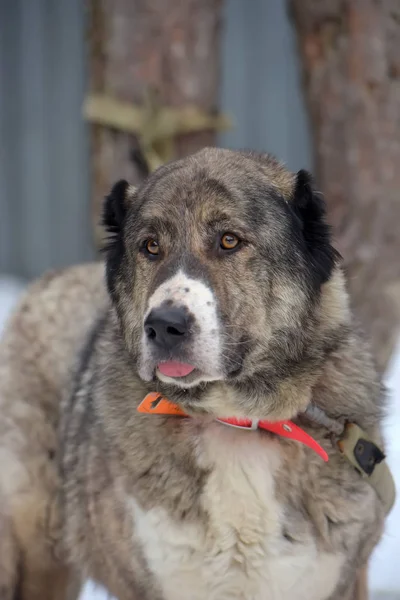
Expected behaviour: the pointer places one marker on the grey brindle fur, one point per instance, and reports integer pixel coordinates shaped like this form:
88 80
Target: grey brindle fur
159 508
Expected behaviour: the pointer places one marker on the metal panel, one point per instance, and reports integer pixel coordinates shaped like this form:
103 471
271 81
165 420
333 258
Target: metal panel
9 121
44 166
261 82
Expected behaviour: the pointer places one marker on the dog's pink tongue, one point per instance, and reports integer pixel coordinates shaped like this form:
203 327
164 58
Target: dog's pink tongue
175 369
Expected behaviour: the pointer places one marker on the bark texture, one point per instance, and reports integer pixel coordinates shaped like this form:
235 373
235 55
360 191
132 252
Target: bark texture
351 64
137 45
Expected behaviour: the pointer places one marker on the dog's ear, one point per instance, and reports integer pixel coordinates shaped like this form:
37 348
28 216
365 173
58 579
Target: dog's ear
309 207
114 214
115 207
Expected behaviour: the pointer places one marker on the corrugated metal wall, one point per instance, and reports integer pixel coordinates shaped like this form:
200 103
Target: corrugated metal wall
44 167
261 82
44 212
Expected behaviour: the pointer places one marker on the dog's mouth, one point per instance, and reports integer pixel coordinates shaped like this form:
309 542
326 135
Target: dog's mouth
182 374
174 369
179 373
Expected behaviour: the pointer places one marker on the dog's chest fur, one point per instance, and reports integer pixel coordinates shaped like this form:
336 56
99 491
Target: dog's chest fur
239 551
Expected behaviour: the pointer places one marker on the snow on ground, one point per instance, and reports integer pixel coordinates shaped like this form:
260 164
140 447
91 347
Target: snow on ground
385 567
10 289
91 591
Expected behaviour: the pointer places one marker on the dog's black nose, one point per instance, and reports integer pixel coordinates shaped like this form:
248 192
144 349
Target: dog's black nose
167 326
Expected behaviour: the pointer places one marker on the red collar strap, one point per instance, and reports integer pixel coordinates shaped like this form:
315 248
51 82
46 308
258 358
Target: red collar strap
155 404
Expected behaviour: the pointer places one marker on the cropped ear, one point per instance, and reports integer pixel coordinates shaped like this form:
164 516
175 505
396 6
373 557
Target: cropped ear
309 206
114 214
115 207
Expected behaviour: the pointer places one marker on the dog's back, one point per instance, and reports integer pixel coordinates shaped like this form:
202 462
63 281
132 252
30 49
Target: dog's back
37 353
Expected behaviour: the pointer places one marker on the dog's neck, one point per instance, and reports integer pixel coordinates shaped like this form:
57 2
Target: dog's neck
157 404
244 400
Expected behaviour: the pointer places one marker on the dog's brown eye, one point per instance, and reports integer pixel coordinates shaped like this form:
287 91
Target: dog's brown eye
152 247
229 241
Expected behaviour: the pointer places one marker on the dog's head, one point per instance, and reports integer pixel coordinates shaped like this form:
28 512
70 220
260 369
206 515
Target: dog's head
223 276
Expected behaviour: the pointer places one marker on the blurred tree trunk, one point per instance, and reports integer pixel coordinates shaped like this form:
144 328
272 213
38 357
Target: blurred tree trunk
351 63
136 45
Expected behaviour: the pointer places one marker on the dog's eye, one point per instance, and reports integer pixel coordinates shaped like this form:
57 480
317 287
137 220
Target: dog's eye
229 241
152 247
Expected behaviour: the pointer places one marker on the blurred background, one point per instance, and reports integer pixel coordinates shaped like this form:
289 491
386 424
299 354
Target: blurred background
84 85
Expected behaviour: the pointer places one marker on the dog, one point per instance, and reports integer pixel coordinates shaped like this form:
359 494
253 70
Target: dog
155 422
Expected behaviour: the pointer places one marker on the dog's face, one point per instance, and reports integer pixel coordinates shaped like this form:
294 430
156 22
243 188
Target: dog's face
216 266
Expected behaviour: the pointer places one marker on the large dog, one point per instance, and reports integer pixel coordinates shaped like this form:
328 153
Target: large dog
226 299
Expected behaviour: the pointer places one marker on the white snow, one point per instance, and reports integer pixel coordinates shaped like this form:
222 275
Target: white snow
92 591
385 566
384 572
10 289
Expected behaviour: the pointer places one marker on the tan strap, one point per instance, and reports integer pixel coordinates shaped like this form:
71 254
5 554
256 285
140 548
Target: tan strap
369 460
361 591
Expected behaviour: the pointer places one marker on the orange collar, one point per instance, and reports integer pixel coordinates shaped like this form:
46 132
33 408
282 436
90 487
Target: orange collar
156 404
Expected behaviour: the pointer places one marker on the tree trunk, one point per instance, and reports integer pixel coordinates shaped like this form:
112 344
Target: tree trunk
351 61
139 45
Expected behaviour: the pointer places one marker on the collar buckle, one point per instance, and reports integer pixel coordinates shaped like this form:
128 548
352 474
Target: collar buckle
249 424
